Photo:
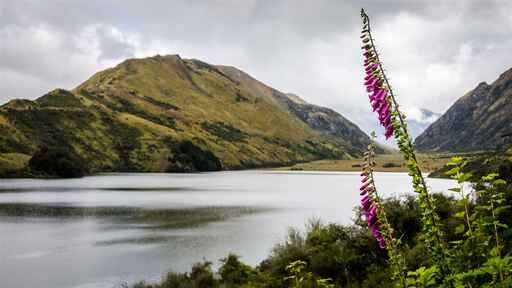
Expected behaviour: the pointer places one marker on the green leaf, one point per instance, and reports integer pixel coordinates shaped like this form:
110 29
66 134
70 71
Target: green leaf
489 177
452 171
465 177
456 160
498 182
460 214
460 229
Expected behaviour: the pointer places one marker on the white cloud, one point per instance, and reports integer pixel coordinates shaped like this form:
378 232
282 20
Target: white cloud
36 59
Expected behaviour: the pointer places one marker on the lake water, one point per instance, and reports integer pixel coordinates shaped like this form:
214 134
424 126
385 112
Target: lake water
108 229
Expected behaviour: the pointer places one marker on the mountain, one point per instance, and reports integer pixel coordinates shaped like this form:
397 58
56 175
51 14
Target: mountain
480 120
165 113
421 121
324 119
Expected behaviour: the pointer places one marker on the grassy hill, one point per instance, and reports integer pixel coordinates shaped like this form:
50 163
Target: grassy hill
165 113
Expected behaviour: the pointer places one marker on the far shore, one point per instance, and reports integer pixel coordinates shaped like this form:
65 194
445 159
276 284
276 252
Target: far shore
384 163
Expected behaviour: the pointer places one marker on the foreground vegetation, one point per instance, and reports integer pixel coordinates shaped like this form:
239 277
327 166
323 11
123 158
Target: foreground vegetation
349 256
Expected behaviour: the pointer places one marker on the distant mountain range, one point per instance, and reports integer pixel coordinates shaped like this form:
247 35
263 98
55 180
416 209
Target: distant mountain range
165 113
420 122
418 119
480 120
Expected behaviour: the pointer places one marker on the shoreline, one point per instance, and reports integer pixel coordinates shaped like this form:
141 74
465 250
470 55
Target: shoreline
384 163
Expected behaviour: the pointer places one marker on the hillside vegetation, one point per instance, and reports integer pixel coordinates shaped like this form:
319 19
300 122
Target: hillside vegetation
166 113
482 164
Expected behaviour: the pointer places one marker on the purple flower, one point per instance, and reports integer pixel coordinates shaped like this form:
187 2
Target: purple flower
364 185
379 97
369 209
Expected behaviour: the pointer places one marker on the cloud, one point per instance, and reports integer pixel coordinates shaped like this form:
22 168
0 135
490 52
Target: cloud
36 59
434 51
113 43
420 115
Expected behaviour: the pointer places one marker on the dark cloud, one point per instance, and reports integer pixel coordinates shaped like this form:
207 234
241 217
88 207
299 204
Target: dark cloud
434 50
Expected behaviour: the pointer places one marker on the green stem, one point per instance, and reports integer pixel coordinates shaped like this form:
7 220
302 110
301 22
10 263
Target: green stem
391 243
466 208
498 247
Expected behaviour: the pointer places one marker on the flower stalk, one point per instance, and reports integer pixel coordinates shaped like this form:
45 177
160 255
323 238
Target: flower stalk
370 202
392 119
376 218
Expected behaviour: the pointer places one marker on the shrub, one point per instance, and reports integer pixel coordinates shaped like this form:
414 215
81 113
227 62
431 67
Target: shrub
233 271
201 276
225 131
188 157
60 162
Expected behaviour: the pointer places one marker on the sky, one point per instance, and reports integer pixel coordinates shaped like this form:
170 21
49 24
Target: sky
434 51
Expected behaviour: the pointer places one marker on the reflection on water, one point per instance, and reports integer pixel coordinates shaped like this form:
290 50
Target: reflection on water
104 230
142 218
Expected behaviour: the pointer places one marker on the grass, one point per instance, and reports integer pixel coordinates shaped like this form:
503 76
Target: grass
385 163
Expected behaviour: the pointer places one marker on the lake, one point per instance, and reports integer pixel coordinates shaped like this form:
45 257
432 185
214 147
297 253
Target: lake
108 229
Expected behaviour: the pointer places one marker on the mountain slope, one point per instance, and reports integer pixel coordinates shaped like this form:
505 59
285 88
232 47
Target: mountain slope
479 120
318 118
165 113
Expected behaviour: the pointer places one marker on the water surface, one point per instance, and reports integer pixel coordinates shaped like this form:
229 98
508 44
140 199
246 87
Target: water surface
104 230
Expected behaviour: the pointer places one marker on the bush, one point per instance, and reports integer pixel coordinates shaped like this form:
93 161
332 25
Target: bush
201 276
57 162
190 158
233 271
225 131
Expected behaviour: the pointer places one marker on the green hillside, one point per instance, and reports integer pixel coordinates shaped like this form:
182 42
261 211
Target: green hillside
166 113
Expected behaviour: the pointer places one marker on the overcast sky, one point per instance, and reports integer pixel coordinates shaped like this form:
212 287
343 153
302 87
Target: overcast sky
434 51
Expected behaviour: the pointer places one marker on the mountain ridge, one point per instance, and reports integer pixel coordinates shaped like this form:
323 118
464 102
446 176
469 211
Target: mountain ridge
158 113
476 121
